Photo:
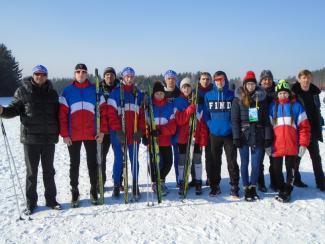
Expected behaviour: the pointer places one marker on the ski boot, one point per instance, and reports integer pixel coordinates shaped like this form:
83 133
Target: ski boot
116 192
198 187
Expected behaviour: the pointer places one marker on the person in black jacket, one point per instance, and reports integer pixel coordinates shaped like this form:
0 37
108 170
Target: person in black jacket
268 84
251 130
37 104
308 95
106 86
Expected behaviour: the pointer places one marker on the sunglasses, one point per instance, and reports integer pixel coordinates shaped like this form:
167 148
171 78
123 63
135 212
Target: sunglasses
40 74
81 71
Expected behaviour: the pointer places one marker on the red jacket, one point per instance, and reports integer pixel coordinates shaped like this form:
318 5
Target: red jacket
77 115
165 121
289 133
183 113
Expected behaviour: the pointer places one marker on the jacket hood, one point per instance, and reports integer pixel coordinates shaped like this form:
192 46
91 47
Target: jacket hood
259 93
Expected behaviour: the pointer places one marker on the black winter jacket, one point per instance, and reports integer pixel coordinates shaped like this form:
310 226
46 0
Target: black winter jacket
251 133
311 102
38 110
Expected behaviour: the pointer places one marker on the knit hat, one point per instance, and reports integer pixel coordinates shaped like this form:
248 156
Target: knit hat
282 85
249 77
39 69
128 71
266 74
109 70
170 73
158 87
186 81
81 66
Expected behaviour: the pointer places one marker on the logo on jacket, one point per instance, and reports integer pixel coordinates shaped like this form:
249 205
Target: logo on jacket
217 106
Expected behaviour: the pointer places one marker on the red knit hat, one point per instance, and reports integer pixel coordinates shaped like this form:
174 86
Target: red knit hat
249 77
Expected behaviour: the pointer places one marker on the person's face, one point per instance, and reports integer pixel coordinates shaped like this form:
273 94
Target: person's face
186 90
305 81
283 95
266 82
128 80
159 95
250 86
39 78
80 75
170 82
220 81
109 78
205 80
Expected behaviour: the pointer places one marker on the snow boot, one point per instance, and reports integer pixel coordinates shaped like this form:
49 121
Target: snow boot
215 190
116 192
234 192
94 195
253 193
75 198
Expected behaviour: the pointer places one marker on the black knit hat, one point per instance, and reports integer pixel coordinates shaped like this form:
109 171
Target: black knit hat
109 70
158 86
81 66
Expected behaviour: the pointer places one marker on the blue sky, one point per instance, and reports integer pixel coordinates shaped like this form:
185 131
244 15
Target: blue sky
153 36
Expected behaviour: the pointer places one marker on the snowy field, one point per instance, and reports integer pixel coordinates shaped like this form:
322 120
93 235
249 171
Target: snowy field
198 220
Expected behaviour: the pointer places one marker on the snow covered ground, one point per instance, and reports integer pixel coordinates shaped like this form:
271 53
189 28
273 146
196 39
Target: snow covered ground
198 220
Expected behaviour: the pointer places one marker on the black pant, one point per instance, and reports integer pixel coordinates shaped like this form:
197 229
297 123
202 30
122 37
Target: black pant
261 180
290 162
105 148
33 154
74 152
316 160
166 162
214 167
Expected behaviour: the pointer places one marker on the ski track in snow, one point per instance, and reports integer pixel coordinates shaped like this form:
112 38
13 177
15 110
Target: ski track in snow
199 219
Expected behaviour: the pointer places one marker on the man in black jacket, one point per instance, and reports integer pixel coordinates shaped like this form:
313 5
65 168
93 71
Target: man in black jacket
308 95
37 104
106 86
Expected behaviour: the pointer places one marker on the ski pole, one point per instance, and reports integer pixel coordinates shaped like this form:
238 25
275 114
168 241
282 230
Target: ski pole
11 161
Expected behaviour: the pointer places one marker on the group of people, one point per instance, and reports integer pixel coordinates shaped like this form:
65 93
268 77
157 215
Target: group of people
260 117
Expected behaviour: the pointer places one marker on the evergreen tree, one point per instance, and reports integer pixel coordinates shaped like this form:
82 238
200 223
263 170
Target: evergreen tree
10 74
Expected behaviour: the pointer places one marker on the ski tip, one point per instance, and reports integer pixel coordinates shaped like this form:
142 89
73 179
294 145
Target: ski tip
96 72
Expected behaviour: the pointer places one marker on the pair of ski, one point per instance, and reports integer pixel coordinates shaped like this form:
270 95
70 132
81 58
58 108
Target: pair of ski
190 144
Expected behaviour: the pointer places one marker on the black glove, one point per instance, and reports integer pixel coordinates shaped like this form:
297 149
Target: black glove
145 141
237 143
120 136
268 143
155 132
137 135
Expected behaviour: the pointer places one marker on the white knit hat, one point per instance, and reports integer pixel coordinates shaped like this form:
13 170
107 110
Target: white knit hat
186 81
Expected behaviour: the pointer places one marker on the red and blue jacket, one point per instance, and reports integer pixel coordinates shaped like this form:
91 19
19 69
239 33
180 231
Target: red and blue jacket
291 127
77 115
165 121
115 112
183 112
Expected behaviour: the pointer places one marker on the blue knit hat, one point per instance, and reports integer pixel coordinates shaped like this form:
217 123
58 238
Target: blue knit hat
39 69
128 71
170 73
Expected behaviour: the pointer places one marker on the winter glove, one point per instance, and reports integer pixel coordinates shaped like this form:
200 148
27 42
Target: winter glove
237 143
268 151
155 132
191 109
302 151
145 141
268 143
120 136
137 135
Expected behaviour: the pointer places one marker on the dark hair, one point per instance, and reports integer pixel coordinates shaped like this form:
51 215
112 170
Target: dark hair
305 72
204 73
